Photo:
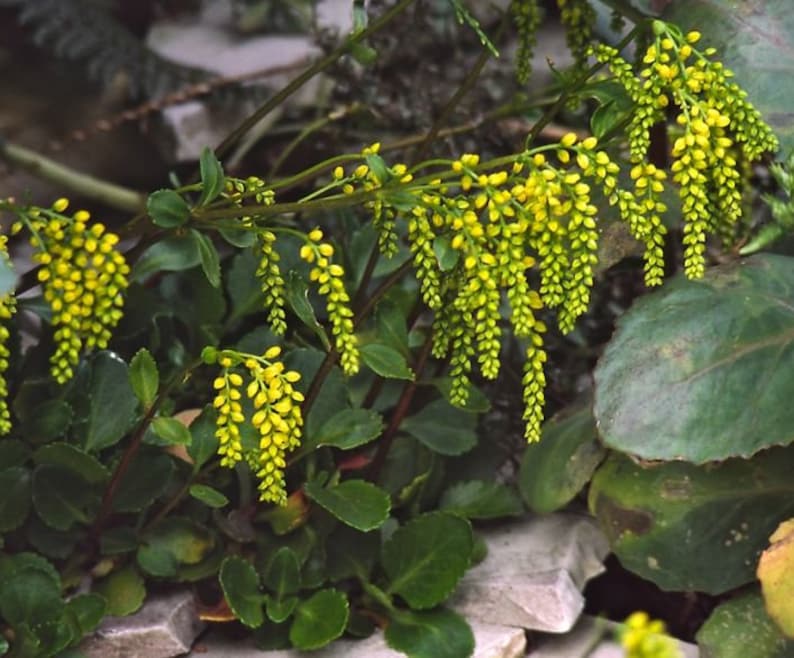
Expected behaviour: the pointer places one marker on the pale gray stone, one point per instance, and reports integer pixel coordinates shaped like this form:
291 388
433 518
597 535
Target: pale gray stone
491 642
165 626
592 637
534 573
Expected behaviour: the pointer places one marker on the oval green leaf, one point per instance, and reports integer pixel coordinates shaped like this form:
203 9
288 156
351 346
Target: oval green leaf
557 468
15 483
62 498
72 458
430 634
357 503
282 573
173 254
386 361
443 428
171 431
209 496
350 428
212 178
241 588
210 261
687 527
167 209
701 370
319 620
145 480
477 499
741 628
123 590
144 377
425 558
112 402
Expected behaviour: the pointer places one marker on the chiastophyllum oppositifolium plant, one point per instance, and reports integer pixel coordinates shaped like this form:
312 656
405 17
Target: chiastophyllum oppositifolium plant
232 398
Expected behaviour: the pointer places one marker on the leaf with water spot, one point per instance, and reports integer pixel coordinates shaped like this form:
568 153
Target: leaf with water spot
688 527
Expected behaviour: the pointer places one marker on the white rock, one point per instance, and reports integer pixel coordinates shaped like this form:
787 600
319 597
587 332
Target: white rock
165 626
491 642
533 574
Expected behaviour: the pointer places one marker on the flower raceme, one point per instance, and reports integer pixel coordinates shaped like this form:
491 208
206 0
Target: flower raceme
717 126
264 386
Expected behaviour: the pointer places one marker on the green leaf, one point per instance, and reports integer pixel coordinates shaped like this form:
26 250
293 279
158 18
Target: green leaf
8 277
238 237
15 483
72 458
210 261
754 40
392 328
296 292
13 452
333 395
29 596
279 610
377 165
11 564
741 628
144 377
425 558
172 254
212 178
112 402
167 209
88 610
350 428
700 370
558 467
319 620
244 287
436 633
209 496
118 540
145 480
476 499
357 503
446 256
55 544
203 443
351 553
241 588
173 541
48 420
282 574
386 361
171 431
123 590
443 428
688 527
62 498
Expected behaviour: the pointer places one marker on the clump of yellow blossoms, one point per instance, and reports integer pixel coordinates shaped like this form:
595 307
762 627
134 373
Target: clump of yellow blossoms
83 277
642 637
718 125
330 277
275 414
7 309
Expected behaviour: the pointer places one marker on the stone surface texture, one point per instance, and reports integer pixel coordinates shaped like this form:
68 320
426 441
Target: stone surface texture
208 41
491 642
534 573
165 626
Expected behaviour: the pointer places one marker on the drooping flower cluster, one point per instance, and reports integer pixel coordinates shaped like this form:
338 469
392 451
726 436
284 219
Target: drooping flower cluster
718 125
83 277
271 282
275 415
330 279
7 309
642 637
474 241
578 17
526 17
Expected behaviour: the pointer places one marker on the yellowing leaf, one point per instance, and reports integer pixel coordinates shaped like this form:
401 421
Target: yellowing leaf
776 573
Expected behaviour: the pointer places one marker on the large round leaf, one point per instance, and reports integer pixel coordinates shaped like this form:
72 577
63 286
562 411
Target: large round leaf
436 633
319 620
688 527
755 39
701 370
741 628
426 558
